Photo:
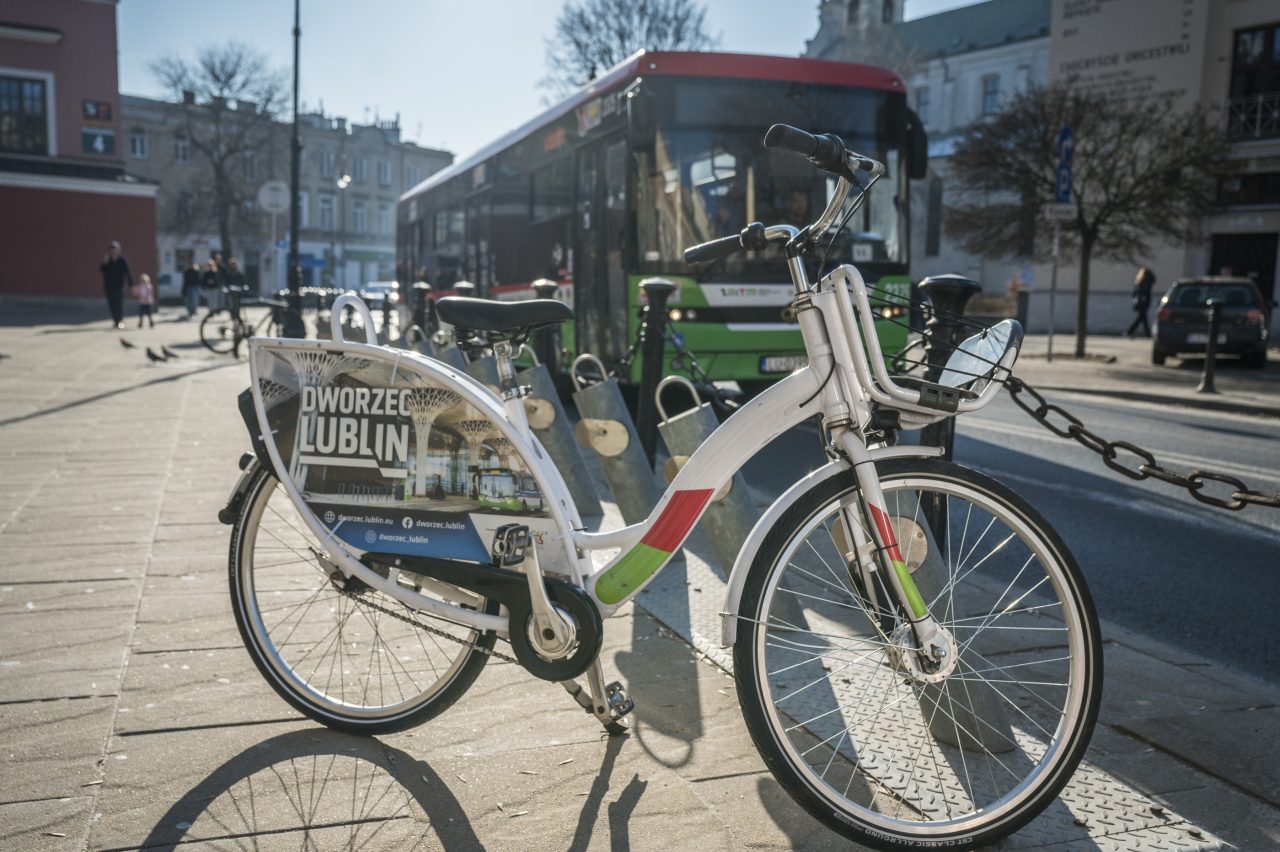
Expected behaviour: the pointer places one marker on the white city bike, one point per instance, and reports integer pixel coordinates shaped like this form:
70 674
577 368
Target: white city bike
916 654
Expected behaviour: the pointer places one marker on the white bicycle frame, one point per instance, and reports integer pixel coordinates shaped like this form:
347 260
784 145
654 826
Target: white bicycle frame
841 382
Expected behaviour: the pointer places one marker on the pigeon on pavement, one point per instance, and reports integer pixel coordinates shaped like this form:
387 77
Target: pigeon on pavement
168 353
154 358
126 344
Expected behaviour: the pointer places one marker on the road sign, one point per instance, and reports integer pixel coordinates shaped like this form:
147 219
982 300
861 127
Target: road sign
1066 153
273 196
1061 211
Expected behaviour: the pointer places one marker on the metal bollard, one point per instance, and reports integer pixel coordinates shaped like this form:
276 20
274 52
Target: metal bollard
607 429
550 422
385 336
949 294
652 359
1211 346
732 514
466 288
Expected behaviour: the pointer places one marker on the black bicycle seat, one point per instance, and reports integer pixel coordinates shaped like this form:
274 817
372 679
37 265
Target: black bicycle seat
488 315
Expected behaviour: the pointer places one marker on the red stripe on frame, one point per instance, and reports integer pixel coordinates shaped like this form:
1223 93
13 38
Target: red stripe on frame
677 519
886 533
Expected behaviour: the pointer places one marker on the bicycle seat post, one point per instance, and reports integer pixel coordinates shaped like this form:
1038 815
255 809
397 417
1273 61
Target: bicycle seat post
504 354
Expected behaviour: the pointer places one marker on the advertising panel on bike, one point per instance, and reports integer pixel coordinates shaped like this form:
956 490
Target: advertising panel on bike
387 457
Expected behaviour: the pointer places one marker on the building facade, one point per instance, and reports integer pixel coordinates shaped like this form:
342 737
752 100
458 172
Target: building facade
962 64
351 176
64 191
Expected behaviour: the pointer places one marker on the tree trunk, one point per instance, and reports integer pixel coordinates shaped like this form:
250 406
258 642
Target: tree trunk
1082 298
224 211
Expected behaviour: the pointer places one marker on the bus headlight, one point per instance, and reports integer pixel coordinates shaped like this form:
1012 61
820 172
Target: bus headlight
675 315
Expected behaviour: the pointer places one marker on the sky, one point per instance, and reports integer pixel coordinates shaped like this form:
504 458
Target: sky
459 73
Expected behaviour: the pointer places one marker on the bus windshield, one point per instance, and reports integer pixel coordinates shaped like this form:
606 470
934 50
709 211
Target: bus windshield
707 173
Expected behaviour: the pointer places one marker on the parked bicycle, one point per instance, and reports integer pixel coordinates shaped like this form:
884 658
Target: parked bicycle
916 654
223 329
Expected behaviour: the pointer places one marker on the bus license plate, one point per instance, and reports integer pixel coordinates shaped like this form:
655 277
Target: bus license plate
1198 337
782 363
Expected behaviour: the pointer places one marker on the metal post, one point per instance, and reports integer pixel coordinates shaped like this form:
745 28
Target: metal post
546 340
293 326
653 361
466 288
1053 285
1211 347
948 294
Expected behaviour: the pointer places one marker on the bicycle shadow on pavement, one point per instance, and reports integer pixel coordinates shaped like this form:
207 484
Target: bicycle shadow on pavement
340 791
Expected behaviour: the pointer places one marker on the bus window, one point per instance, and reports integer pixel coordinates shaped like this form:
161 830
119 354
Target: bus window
552 191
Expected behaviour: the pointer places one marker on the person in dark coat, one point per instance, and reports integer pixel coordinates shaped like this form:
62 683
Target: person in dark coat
191 288
1142 284
115 273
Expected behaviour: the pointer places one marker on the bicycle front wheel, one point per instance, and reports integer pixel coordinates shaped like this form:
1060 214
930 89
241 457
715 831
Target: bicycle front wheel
886 751
218 331
346 655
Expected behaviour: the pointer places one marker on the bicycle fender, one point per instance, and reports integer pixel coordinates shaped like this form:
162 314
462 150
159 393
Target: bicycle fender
747 555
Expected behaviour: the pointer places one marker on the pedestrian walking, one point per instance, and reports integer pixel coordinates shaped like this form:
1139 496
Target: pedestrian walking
209 284
234 278
145 293
191 288
1142 284
115 272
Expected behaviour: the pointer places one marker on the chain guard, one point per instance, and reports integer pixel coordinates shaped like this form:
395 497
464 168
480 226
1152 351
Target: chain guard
511 589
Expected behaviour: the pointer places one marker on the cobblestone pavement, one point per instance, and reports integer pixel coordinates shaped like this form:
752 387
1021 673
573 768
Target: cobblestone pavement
130 715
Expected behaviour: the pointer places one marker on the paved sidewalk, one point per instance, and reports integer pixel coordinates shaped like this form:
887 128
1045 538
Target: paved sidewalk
1121 367
130 715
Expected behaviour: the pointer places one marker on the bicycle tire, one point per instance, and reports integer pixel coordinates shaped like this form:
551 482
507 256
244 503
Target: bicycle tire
922 768
218 331
347 689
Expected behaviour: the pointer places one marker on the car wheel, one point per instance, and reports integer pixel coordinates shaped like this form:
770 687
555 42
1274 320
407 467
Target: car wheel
1257 360
1158 355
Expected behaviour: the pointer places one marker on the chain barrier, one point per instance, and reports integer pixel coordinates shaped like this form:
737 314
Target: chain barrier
1131 460
683 361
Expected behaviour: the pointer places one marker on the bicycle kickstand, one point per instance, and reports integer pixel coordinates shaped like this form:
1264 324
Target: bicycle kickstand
607 702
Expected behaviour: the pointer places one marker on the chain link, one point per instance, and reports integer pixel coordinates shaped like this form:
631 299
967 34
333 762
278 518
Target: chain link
1045 413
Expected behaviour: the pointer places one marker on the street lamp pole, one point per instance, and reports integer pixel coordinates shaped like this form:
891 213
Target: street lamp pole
293 326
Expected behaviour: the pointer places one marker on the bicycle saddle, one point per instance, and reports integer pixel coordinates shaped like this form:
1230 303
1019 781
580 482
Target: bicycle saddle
487 315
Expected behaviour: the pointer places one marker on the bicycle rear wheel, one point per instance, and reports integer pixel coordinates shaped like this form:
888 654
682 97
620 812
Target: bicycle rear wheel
346 655
218 331
878 749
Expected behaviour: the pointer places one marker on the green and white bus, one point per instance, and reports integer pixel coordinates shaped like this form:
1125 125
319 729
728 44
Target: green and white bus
662 152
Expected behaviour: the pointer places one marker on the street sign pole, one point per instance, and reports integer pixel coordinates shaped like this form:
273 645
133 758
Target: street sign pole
1053 285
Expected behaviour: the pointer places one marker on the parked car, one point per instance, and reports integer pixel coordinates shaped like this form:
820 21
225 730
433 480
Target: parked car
1182 320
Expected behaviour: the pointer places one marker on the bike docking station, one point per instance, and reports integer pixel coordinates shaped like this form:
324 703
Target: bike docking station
607 430
731 515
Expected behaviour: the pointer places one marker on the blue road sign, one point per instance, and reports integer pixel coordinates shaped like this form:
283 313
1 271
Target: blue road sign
1066 152
1062 190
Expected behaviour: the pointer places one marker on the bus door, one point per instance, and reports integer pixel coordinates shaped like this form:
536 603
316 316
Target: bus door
479 256
600 296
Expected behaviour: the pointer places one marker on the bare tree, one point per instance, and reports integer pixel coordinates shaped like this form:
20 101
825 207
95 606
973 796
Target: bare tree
594 35
1143 171
229 98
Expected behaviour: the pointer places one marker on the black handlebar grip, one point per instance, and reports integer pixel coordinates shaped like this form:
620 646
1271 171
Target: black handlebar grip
713 250
784 137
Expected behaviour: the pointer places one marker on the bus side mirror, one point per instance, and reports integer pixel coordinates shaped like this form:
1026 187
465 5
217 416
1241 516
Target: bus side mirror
917 147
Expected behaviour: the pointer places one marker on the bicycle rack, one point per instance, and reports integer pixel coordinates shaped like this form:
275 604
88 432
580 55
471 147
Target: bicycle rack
550 423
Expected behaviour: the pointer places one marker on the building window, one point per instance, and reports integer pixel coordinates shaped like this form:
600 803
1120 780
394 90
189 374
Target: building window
139 144
384 173
304 209
933 220
384 219
922 104
181 148
361 172
251 166
326 163
326 212
24 116
851 12
990 94
412 175
1255 84
886 12
359 218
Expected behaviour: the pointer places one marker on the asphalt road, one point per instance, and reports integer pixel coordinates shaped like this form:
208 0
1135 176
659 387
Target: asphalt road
1158 562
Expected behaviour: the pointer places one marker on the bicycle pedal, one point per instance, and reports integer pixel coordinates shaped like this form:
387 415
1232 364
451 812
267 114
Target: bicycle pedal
510 543
619 704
